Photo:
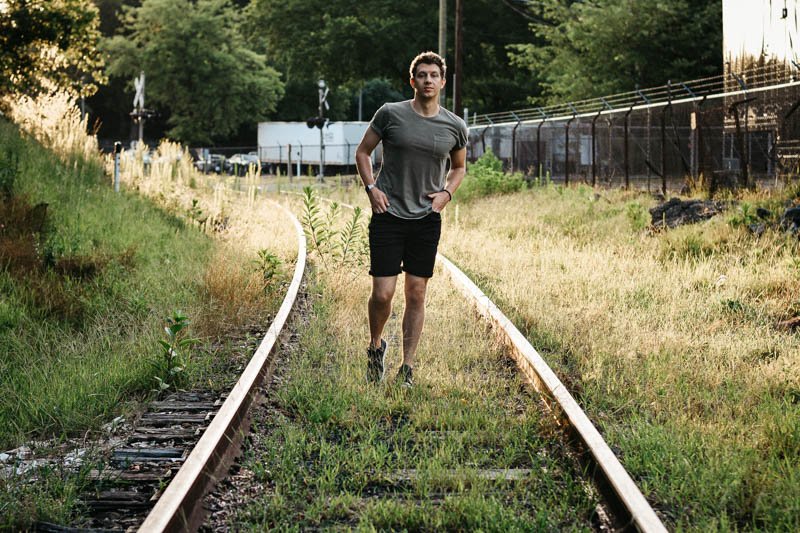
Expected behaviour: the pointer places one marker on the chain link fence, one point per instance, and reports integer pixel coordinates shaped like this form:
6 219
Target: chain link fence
729 138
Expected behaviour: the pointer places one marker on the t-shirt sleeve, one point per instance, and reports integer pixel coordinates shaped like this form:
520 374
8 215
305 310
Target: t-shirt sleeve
380 121
463 135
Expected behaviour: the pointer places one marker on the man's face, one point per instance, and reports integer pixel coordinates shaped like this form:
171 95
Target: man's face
428 81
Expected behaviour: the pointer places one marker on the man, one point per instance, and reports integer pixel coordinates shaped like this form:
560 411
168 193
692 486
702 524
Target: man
407 198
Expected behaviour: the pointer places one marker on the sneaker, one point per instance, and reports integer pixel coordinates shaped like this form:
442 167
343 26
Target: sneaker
406 376
375 360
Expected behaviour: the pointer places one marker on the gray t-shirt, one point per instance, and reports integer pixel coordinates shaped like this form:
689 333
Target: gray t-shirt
415 153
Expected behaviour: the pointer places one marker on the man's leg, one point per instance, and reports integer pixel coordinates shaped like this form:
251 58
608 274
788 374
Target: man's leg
414 316
380 306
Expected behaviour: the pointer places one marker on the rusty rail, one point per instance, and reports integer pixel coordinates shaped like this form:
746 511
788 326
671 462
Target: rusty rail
180 506
615 483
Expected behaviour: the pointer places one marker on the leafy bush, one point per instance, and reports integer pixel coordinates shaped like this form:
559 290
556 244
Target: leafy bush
486 177
637 216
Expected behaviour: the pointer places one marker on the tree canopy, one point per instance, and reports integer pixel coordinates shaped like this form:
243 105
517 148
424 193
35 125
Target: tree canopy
215 68
598 47
55 41
349 43
198 67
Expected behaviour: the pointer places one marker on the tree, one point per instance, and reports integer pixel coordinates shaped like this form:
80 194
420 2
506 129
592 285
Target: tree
599 47
198 67
55 41
374 94
348 43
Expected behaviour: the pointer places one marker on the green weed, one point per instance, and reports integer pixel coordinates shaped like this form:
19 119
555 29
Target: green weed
336 244
637 215
268 266
175 354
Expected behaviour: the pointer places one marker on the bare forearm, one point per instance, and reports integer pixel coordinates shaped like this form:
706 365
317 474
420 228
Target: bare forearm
454 179
364 166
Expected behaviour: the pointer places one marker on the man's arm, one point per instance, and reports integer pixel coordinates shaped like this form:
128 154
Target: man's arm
377 198
458 169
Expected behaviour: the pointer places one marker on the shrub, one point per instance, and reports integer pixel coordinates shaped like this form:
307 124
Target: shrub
486 177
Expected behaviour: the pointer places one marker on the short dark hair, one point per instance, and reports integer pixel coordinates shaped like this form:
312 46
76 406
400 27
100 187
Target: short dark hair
428 58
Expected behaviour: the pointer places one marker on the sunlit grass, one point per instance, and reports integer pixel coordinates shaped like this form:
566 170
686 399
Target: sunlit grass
668 340
338 449
85 296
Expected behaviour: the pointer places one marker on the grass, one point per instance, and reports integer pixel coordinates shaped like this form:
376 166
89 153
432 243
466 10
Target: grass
668 341
336 451
88 280
85 330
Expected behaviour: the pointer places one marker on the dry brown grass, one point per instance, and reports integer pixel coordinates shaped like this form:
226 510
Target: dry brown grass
675 329
54 119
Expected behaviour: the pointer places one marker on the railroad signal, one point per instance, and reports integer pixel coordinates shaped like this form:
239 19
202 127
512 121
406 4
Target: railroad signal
139 113
316 122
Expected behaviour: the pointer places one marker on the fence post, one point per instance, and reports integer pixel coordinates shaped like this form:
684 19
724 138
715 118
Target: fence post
566 151
117 151
483 133
663 150
625 149
594 150
289 165
514 141
743 162
539 146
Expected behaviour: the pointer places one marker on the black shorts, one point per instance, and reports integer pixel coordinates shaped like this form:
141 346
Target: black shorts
399 245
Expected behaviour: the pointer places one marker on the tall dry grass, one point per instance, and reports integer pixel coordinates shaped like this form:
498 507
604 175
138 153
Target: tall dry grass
242 222
669 340
54 119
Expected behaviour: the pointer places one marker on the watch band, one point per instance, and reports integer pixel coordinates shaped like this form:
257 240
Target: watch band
369 187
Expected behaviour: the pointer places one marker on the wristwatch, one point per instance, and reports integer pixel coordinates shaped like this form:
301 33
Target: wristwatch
369 187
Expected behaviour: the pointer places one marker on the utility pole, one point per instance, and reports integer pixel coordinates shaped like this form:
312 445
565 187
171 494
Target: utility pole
442 39
458 71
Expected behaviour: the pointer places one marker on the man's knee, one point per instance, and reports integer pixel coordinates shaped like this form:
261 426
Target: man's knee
381 296
415 292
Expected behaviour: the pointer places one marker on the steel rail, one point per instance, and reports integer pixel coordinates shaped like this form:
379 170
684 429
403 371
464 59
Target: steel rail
610 471
180 506
612 478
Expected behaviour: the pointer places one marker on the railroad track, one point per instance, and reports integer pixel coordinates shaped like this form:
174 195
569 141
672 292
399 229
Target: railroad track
193 474
180 506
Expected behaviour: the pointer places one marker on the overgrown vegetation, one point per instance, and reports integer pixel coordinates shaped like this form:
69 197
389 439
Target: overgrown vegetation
672 340
335 243
337 453
87 276
83 289
485 177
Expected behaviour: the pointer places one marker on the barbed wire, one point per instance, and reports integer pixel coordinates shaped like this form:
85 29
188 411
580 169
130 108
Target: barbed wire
747 78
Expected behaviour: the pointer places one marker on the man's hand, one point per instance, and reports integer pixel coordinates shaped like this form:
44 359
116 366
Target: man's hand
378 200
439 200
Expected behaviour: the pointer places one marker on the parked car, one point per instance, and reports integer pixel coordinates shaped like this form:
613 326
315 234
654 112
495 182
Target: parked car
213 163
239 163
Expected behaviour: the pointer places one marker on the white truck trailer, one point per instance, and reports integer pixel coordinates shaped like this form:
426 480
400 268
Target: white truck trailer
276 139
